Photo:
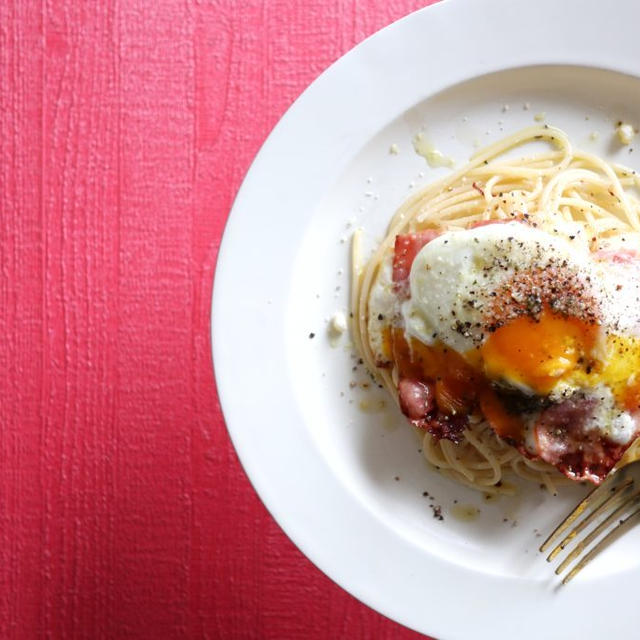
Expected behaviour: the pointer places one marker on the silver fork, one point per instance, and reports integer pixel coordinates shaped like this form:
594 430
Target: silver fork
604 515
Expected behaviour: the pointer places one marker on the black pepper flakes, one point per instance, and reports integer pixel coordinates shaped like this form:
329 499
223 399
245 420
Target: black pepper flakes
437 512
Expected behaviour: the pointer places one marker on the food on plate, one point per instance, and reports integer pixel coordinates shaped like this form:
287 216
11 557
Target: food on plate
626 132
502 311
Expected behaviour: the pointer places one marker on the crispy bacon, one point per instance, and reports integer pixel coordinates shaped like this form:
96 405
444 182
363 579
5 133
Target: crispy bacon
565 440
417 399
418 403
406 249
448 427
618 256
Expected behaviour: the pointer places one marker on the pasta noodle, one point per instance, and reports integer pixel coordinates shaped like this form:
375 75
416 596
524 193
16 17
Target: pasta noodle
562 182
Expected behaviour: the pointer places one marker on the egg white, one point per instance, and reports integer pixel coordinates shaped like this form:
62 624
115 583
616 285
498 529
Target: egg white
460 267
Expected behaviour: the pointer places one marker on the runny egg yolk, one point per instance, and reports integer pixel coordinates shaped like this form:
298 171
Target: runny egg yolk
621 371
538 353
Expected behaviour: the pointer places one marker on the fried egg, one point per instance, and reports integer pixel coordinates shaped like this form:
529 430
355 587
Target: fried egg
531 312
527 307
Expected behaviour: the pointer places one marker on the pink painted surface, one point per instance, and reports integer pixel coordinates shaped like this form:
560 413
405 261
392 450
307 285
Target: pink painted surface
126 129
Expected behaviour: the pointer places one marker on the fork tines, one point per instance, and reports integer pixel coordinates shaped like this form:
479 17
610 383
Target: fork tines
607 512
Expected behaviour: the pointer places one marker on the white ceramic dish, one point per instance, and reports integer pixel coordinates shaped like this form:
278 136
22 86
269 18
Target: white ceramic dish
325 468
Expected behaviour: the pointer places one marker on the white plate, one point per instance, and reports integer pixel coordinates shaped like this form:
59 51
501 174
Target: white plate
326 469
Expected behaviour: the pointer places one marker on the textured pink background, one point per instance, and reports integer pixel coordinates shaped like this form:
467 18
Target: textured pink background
126 129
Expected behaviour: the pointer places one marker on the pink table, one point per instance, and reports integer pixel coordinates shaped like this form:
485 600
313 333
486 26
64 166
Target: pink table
127 127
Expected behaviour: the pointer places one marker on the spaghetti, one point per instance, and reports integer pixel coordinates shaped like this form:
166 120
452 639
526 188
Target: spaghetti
561 184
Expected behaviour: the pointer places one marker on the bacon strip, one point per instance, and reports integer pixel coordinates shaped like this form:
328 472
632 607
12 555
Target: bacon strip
618 256
565 440
406 249
417 399
417 402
